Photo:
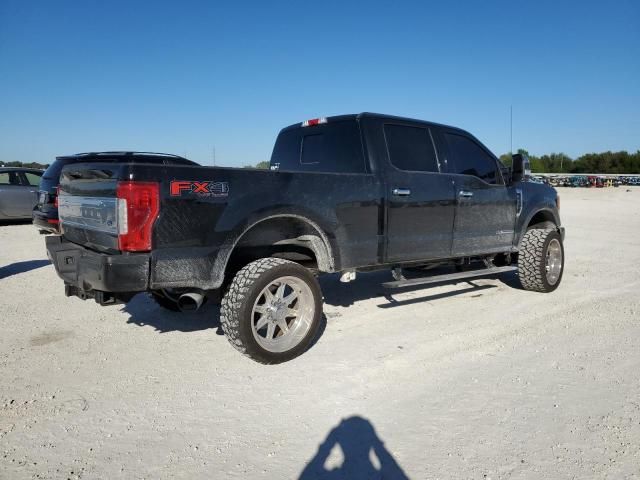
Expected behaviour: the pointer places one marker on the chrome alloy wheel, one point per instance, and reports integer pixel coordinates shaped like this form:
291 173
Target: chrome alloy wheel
553 262
282 314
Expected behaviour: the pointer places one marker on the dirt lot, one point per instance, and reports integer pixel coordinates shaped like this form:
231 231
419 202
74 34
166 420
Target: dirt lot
450 382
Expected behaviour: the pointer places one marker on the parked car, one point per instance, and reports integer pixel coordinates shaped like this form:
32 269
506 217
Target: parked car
344 194
45 213
18 192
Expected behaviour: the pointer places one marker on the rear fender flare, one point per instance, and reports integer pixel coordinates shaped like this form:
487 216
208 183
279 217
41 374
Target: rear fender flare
319 243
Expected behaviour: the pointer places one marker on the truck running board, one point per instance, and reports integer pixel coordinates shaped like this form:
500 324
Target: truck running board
449 277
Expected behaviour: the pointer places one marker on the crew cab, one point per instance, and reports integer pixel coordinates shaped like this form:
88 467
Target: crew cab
344 194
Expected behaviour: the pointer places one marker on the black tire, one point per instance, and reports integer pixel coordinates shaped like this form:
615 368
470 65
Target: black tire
532 260
236 312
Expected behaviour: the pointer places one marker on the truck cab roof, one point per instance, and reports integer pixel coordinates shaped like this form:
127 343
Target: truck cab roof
358 116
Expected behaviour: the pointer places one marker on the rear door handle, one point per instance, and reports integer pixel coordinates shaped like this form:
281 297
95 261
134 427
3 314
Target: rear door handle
401 192
465 193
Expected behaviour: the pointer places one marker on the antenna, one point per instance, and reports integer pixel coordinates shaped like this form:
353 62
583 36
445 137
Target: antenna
511 129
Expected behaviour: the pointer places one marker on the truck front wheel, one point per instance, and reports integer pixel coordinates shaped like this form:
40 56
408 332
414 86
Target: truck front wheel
272 310
541 260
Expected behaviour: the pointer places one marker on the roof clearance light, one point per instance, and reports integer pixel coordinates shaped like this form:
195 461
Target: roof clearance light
314 121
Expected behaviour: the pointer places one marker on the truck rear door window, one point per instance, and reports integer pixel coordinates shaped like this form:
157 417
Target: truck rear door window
313 149
410 148
332 147
471 159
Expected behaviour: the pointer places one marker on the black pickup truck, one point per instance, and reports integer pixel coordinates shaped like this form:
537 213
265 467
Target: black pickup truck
345 194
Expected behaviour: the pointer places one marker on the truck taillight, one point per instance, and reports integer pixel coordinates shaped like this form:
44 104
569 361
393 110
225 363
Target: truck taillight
138 208
55 199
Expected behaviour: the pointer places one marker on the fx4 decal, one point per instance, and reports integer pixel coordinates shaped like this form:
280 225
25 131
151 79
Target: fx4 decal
204 189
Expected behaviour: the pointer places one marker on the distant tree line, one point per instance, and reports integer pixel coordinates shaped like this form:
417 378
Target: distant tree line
25 165
606 162
264 165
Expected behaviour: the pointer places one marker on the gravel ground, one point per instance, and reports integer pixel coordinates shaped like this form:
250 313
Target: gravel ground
449 382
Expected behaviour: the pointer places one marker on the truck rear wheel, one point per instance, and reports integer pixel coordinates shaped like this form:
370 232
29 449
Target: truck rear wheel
272 310
541 260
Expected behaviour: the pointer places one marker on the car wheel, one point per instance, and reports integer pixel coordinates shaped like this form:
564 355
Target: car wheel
272 311
541 260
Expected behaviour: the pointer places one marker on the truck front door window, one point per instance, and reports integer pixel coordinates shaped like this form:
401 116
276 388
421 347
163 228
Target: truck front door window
471 159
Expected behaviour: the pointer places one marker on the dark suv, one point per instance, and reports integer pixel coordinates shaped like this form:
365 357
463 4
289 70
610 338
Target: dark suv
45 213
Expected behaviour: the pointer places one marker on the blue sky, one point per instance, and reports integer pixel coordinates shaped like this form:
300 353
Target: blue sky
184 76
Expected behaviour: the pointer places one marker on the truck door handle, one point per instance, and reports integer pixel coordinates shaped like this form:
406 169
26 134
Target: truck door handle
465 193
401 192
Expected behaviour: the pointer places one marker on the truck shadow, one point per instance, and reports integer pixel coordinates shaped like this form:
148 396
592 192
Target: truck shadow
510 279
22 267
21 221
369 285
363 454
144 312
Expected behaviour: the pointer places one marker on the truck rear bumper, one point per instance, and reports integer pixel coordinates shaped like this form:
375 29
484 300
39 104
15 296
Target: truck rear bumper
44 222
87 274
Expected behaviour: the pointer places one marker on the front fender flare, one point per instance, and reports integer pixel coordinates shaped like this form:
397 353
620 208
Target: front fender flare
525 220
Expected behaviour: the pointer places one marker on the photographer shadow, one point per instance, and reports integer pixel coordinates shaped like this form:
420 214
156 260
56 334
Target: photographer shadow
364 455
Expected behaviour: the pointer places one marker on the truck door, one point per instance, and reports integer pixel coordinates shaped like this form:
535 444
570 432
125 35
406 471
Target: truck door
420 199
485 207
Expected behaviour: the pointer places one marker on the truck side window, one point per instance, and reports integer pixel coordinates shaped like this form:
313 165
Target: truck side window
312 149
410 148
334 147
471 159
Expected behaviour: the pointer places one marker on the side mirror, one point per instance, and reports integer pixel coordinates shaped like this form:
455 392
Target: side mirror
520 168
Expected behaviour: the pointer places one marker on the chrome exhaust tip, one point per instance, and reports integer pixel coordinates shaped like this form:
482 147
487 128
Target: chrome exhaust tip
190 301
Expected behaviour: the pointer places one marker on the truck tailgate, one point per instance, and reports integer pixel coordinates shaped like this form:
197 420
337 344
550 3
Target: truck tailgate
88 207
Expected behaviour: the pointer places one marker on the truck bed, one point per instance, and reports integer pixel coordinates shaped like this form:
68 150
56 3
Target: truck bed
199 225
